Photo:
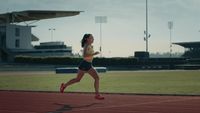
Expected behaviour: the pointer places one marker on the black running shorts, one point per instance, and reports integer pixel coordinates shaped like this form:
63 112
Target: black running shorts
85 66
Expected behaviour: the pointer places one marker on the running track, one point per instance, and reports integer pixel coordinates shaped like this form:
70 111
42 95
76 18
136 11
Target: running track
52 102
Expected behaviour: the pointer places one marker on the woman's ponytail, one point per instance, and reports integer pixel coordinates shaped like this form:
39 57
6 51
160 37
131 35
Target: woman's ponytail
84 40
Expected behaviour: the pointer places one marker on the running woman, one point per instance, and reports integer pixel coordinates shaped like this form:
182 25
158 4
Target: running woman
86 66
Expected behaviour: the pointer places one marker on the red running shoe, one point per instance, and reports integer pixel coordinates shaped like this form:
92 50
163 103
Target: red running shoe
62 88
98 97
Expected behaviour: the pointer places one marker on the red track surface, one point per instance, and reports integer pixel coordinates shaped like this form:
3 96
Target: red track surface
43 102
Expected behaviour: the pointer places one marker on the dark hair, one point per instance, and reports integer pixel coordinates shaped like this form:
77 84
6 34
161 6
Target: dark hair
83 41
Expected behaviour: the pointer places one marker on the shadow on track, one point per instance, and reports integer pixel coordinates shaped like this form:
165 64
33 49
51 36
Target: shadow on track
65 107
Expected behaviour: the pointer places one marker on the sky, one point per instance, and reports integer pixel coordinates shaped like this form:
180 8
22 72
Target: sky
123 34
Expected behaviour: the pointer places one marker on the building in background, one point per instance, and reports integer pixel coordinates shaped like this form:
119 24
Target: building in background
192 49
48 49
15 40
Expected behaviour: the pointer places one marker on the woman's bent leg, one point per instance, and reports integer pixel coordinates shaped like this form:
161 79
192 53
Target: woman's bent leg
72 81
94 74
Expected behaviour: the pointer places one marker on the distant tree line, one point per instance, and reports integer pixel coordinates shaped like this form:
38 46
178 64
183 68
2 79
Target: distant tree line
101 61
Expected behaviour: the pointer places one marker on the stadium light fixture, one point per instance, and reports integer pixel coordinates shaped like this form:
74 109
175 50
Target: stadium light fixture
146 32
100 20
52 29
170 26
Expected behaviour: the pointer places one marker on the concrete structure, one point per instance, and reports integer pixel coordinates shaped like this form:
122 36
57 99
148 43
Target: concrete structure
63 70
48 49
192 49
16 39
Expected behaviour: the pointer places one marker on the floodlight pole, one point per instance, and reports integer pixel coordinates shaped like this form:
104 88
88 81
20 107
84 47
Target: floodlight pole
170 26
52 29
146 32
146 26
100 48
100 20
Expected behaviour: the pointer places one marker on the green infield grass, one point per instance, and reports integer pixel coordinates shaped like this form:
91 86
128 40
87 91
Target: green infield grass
140 82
